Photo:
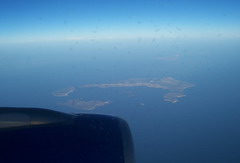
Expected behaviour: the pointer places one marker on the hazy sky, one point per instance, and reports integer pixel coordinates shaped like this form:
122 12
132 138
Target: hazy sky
41 20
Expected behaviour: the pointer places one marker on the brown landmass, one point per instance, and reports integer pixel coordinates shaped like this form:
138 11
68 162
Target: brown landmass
167 83
64 92
84 105
173 97
176 87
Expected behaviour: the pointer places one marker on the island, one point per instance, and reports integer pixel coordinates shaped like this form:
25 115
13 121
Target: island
167 83
173 97
64 92
175 90
176 87
84 105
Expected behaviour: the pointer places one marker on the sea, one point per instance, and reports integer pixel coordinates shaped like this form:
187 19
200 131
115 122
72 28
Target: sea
201 127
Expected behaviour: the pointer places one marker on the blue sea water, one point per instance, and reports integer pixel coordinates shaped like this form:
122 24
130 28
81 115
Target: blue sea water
202 127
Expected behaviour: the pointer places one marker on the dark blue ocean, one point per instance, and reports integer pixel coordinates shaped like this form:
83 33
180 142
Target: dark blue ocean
201 127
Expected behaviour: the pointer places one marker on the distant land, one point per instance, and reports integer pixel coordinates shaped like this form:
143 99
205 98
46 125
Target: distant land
64 92
167 83
84 105
173 97
169 58
175 87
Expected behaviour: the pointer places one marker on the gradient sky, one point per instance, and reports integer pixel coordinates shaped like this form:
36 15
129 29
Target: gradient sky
44 20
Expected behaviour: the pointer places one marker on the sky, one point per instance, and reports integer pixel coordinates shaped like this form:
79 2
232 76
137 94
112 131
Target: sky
52 20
